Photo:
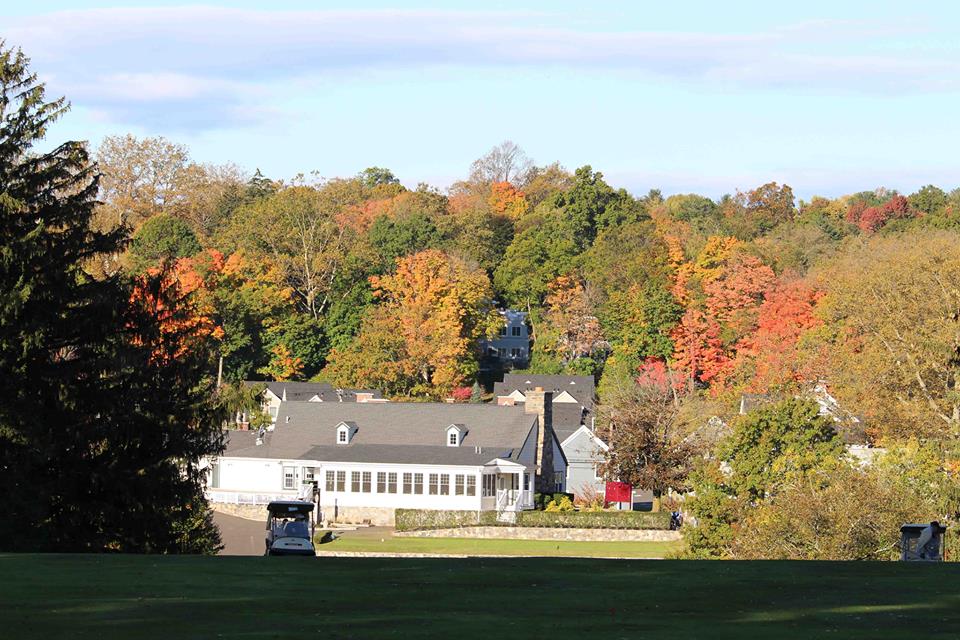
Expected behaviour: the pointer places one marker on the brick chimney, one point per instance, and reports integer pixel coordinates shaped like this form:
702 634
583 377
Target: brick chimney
540 402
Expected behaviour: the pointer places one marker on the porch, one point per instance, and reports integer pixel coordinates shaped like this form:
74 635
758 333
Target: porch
507 487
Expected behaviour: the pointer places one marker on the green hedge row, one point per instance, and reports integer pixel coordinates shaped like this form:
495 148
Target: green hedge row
595 519
417 519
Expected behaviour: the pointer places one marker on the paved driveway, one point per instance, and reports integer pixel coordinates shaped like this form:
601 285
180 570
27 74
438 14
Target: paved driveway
241 537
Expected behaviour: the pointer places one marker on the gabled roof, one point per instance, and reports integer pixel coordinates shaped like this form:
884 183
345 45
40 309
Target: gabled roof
306 391
400 432
580 387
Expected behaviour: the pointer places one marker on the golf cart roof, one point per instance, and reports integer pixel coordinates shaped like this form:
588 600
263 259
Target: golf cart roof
285 507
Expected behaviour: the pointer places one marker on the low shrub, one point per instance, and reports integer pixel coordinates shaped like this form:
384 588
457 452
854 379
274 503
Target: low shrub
595 519
563 504
418 519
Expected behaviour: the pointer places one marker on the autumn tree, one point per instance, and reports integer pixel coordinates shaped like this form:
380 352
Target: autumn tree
645 448
433 311
299 230
890 341
506 162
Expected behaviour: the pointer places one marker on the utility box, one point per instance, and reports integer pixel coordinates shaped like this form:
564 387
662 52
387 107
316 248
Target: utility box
922 542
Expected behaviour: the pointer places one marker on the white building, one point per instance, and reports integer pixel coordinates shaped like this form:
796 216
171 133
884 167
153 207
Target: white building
371 458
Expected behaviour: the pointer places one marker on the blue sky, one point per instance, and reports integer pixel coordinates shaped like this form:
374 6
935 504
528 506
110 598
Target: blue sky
828 97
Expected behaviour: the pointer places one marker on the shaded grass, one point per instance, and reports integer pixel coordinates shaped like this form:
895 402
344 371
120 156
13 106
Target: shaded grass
103 597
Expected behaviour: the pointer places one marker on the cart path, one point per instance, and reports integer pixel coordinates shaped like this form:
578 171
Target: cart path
241 537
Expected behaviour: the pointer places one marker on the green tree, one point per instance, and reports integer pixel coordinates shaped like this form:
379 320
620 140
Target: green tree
100 434
776 442
161 238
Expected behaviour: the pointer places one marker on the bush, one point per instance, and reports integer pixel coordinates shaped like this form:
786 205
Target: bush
563 505
419 519
595 519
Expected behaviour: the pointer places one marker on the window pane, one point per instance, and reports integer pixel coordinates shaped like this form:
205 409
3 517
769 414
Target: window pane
288 478
391 483
355 481
366 481
444 484
408 483
458 485
381 482
471 485
330 481
418 483
341 480
434 488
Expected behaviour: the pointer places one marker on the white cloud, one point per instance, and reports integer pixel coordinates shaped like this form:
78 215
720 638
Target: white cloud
199 66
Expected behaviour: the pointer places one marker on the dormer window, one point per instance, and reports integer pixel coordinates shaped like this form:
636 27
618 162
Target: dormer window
345 432
455 435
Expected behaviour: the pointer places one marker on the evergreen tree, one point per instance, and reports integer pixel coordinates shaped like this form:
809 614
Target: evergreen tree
100 436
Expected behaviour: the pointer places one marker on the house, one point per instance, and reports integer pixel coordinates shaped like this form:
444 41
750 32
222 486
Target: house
573 422
368 459
511 348
278 392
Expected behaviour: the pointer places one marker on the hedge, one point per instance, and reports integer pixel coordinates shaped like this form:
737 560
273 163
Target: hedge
416 519
595 519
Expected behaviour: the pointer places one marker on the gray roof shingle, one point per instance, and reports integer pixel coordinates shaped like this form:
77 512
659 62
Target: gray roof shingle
580 387
402 432
300 391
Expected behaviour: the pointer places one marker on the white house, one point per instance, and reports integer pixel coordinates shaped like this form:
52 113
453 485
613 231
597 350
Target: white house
369 459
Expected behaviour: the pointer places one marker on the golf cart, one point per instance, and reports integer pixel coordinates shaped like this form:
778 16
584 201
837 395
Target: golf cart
290 529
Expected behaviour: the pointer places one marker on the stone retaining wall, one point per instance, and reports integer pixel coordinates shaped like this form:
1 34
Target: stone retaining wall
256 512
542 533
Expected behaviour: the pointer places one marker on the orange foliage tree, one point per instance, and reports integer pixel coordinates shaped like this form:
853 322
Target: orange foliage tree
432 313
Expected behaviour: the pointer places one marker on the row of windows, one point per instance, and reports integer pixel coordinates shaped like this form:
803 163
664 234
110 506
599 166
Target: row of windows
438 484
501 352
514 331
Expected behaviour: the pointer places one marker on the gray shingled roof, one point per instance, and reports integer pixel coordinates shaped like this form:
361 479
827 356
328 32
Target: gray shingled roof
300 391
567 418
398 432
580 387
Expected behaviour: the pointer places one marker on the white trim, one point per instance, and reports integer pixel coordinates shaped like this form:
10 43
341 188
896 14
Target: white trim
563 396
517 396
593 436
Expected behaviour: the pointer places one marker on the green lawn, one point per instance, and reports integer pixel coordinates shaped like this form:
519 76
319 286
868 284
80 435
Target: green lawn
105 597
382 541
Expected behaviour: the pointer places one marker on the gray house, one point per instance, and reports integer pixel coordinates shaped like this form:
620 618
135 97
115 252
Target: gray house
573 418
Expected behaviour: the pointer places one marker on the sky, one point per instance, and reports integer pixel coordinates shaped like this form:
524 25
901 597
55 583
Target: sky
706 97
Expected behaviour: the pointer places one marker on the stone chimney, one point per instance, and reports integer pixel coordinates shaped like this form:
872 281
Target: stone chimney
540 402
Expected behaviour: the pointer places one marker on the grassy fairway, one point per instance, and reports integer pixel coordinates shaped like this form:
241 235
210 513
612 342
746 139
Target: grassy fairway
380 541
105 597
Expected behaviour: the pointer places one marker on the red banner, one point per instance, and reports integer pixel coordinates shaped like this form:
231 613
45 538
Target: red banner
619 492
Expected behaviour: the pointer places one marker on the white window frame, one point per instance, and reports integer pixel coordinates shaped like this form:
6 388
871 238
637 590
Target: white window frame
471 485
289 477
331 480
391 482
343 435
342 481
